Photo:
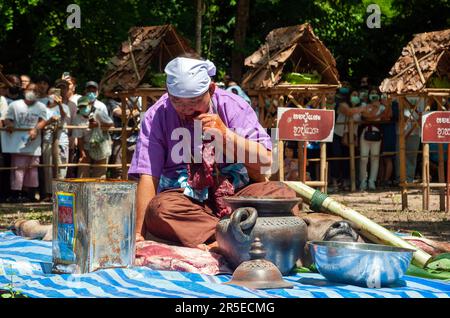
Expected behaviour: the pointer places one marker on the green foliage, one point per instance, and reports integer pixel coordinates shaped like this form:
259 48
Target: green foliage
9 291
35 38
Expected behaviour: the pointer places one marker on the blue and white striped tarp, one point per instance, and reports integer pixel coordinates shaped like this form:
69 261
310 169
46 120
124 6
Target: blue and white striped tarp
27 263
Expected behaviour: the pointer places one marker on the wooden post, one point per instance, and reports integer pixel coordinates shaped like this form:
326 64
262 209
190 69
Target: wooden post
402 155
448 174
302 158
55 153
426 170
323 156
351 139
123 139
441 173
281 160
448 180
261 106
144 103
426 177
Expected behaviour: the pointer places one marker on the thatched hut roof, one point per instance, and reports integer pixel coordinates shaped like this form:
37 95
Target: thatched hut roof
426 55
296 44
145 46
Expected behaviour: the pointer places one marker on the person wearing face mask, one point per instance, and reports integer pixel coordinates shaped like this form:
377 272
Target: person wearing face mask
4 158
348 106
67 85
25 146
58 115
91 92
412 134
94 116
168 207
15 91
370 137
389 143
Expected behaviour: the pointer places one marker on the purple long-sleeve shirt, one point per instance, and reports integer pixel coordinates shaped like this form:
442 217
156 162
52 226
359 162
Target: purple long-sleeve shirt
155 147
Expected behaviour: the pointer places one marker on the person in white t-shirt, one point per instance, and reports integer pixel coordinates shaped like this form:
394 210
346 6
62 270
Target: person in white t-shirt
4 157
67 84
30 114
95 150
370 142
58 115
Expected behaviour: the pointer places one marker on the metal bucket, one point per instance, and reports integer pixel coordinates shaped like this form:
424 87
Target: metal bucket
93 224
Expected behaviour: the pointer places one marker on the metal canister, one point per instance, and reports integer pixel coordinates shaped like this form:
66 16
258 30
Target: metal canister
93 224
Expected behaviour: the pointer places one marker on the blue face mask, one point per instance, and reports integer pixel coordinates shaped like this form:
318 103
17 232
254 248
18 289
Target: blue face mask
344 90
374 97
91 96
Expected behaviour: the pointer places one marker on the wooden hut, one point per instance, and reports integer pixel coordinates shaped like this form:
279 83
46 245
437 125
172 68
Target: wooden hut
291 49
423 62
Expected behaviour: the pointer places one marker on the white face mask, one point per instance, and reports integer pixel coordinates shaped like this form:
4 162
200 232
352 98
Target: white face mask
30 96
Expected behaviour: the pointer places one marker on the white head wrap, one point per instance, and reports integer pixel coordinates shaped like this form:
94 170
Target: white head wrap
187 78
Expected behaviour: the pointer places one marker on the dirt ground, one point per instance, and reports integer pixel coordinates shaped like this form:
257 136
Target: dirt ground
383 207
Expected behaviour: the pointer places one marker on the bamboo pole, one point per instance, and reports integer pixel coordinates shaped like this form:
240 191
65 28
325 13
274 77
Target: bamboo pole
402 156
368 228
441 174
351 139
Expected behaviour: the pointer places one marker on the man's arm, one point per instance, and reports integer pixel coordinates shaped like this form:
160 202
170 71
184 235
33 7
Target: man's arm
256 155
83 156
146 190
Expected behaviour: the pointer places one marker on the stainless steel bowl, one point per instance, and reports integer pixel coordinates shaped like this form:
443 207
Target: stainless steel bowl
368 265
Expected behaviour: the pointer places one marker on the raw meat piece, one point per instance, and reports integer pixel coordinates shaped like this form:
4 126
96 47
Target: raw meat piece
429 246
224 188
200 176
160 256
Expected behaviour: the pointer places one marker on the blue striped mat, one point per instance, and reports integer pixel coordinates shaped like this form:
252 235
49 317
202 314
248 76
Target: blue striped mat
27 264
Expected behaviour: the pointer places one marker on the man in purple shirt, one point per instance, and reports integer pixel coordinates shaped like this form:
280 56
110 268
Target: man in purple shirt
173 132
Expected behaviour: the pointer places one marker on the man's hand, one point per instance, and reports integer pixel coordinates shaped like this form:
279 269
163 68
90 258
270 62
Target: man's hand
10 128
53 119
139 237
212 122
32 133
93 124
83 157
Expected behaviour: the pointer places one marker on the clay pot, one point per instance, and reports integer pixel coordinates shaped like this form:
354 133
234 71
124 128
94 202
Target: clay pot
282 234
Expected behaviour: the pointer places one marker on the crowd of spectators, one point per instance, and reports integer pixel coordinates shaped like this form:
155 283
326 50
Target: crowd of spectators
32 108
